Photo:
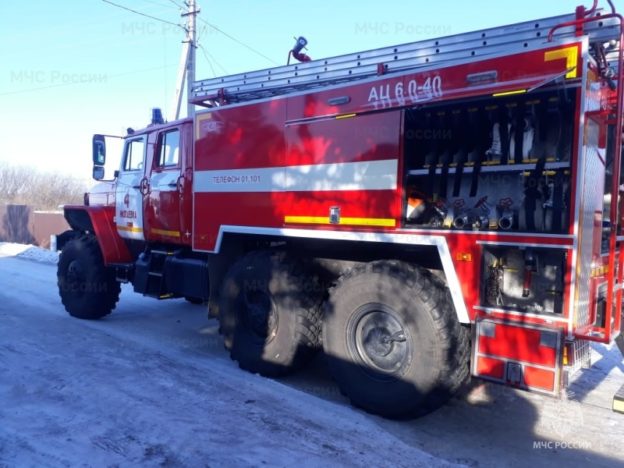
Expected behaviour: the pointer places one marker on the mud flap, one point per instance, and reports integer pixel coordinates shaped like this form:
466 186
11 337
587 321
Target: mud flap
620 343
519 355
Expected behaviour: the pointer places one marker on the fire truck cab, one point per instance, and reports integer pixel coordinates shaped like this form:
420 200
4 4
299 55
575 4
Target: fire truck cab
422 212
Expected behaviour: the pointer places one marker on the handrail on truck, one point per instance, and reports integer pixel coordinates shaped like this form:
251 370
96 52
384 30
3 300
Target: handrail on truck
583 19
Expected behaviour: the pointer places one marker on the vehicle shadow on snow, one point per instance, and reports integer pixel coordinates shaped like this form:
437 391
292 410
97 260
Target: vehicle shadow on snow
484 425
590 379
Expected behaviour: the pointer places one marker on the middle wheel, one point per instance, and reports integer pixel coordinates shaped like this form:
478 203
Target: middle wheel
270 313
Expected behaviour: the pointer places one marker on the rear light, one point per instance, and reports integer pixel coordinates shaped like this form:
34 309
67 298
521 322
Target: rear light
568 355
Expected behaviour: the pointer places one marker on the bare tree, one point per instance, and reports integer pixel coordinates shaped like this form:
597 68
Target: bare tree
38 189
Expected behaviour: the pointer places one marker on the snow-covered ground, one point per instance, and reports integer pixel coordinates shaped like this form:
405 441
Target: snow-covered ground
152 385
29 252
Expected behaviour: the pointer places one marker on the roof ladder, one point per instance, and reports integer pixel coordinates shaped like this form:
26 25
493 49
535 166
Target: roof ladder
415 56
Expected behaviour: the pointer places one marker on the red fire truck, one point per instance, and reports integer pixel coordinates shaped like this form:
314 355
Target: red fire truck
420 212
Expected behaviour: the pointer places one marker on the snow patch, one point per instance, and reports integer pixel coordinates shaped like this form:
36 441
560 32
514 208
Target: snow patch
28 252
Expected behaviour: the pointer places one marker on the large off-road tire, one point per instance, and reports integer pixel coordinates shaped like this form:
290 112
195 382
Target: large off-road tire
270 313
392 340
87 288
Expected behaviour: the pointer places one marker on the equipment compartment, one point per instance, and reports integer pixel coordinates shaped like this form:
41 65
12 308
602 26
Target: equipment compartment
523 279
490 164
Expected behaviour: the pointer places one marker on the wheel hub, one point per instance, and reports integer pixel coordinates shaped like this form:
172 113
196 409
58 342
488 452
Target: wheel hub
380 339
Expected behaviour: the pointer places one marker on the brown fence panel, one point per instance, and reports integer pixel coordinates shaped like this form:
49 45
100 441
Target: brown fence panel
44 224
23 225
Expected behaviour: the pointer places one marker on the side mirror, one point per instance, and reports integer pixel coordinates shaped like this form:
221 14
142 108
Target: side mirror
98 172
99 150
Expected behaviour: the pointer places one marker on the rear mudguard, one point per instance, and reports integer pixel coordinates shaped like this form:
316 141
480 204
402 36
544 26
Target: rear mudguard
98 220
620 343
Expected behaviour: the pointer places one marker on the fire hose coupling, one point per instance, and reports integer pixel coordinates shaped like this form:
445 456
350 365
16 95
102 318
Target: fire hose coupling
482 216
505 214
506 220
461 221
477 218
456 215
469 220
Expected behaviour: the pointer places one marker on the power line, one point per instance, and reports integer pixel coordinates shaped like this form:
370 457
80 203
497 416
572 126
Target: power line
203 49
161 4
237 41
207 59
144 14
177 4
211 58
207 55
200 33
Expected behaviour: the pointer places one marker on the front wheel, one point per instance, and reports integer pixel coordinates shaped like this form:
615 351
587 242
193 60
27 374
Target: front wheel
87 288
392 340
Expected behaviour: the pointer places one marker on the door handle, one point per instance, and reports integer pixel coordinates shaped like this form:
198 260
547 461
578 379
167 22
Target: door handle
144 186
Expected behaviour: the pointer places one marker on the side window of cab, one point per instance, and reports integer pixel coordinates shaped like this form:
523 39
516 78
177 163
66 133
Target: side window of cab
134 155
169 149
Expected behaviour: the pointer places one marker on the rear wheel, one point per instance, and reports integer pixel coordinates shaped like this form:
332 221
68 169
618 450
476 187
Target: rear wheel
270 313
87 288
392 340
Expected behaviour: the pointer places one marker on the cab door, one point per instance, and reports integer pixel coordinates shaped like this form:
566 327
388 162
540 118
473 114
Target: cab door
166 188
131 185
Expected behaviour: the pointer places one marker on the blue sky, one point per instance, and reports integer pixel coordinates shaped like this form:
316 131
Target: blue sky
71 68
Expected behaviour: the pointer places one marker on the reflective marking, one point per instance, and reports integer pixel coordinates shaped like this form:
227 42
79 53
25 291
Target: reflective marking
570 54
510 93
164 232
367 175
129 229
383 222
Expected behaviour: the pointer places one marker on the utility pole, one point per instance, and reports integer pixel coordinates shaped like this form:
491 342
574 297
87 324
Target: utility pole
186 69
190 64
